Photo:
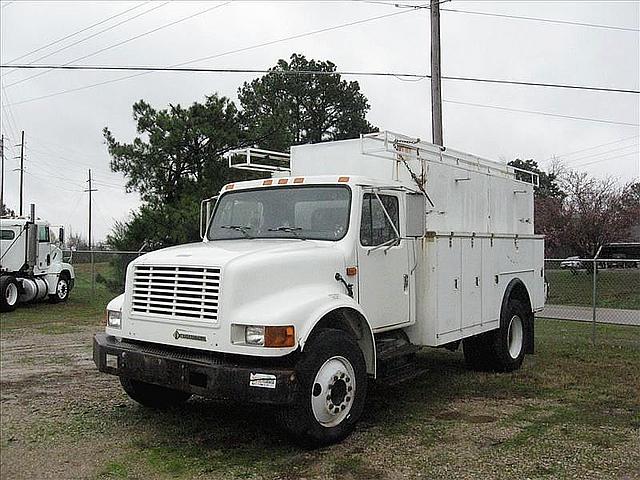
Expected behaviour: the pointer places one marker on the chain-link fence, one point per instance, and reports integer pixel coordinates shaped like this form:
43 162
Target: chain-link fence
597 291
107 267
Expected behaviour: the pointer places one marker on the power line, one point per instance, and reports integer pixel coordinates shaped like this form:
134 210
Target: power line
148 69
78 32
591 148
229 52
46 178
607 159
516 17
544 20
602 153
130 39
547 114
91 36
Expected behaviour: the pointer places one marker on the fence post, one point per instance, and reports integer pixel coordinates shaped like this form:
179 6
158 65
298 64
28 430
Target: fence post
593 300
93 276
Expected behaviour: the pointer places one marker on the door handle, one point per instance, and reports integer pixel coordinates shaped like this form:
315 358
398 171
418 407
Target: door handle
406 281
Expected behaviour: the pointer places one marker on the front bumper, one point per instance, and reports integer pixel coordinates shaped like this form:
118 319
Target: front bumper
221 377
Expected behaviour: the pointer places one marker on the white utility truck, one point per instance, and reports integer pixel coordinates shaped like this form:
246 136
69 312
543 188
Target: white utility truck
334 271
31 264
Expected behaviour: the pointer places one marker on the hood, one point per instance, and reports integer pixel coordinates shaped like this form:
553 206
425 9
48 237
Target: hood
221 252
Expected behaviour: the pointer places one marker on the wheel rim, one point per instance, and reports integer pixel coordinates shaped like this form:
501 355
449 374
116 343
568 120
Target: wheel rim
62 289
515 335
333 391
11 294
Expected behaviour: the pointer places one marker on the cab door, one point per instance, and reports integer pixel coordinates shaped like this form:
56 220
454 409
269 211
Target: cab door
43 259
383 261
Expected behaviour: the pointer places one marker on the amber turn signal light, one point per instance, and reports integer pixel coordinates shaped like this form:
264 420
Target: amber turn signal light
351 271
279 336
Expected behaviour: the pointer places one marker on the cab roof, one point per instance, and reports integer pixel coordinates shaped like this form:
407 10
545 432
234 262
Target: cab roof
350 180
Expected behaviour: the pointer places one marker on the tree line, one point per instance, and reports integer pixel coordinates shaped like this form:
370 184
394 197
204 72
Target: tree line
176 160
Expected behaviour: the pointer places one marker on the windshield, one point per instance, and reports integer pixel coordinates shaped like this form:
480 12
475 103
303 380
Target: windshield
305 212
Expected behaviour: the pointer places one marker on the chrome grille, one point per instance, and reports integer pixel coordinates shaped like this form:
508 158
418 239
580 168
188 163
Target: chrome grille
188 293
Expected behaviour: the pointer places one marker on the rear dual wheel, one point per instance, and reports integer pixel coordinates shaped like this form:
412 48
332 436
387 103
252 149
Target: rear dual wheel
502 349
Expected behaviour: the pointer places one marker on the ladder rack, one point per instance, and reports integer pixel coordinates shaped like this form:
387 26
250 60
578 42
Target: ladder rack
257 160
395 146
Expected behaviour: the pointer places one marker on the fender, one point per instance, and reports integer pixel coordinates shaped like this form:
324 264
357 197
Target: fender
340 301
517 289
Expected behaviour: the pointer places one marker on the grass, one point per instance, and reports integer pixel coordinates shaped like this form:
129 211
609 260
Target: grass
572 410
615 288
84 307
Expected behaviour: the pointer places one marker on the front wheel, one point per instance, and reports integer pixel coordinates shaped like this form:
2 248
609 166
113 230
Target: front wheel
153 396
8 293
332 376
62 290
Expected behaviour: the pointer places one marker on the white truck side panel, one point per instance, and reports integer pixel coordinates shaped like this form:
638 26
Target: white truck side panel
457 294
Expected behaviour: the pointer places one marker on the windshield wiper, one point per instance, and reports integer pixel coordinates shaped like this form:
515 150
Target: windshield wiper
238 228
284 228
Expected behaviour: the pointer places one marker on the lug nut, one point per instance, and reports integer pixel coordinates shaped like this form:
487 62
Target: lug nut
348 399
350 388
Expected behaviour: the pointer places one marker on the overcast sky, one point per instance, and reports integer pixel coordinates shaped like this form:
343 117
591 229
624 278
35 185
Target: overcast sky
64 132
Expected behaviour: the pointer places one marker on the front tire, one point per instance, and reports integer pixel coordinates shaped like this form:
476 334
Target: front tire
332 375
63 289
9 293
153 396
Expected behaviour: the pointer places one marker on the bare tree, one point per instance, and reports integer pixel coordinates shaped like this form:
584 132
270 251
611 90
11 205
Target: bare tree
596 212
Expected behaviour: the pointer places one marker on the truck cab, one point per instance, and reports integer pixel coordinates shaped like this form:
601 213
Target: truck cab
331 272
32 267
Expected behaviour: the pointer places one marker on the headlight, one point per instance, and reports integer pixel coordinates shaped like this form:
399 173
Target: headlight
254 335
114 319
270 336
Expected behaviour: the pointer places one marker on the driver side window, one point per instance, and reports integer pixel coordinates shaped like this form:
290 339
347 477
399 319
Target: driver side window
375 228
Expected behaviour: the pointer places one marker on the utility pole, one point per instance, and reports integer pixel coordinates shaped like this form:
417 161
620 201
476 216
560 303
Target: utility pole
90 190
2 175
436 93
21 169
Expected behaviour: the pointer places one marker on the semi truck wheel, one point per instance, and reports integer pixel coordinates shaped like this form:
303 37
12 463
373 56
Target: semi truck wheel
503 349
8 293
333 385
153 396
62 290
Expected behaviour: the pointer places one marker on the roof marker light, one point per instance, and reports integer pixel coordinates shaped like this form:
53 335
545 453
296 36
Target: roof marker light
343 179
283 181
229 186
298 180
267 182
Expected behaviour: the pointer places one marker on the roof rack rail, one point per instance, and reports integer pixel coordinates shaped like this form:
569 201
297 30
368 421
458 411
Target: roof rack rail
257 160
394 146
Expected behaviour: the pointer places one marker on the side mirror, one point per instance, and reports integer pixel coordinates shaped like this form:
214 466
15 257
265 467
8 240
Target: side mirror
61 235
206 208
416 215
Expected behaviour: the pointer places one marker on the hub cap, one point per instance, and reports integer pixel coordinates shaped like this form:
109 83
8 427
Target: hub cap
333 391
62 289
515 335
11 294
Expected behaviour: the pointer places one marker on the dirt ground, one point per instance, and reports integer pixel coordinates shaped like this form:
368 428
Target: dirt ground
573 411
